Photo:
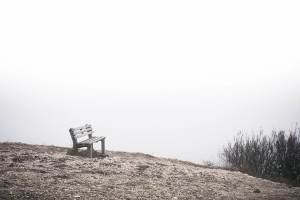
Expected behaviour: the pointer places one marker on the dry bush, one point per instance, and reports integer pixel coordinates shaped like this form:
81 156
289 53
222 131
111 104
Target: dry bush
276 157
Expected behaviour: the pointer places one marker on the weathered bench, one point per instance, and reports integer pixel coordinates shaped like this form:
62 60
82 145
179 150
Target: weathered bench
82 131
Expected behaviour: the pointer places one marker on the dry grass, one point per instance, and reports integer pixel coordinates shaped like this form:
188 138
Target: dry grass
48 172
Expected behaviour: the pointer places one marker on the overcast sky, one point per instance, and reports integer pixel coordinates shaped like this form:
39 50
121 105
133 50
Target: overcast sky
173 79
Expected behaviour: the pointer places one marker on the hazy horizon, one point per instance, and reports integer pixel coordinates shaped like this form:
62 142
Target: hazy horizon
169 78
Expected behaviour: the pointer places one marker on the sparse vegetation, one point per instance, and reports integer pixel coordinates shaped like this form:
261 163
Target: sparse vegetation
49 172
276 157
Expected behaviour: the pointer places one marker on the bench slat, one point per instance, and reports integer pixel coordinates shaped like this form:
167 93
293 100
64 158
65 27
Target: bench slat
83 134
81 127
82 130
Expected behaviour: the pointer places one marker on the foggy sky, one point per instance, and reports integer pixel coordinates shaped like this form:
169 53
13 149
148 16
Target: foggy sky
173 79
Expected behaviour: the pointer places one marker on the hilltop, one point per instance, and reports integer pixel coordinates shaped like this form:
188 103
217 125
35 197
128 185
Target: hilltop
47 172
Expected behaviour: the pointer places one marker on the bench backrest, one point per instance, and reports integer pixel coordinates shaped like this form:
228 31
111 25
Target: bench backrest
81 132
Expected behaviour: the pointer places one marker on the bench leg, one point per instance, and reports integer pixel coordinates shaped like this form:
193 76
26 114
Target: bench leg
91 150
103 146
75 149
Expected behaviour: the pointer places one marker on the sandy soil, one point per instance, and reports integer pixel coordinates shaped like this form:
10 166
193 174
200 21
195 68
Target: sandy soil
47 172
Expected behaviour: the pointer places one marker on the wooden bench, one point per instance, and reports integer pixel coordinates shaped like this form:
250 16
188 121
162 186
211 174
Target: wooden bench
82 131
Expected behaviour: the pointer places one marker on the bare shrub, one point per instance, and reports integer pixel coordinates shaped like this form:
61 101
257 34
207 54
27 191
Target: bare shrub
273 157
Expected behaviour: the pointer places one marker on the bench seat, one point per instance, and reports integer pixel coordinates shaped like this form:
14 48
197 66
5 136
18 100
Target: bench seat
90 141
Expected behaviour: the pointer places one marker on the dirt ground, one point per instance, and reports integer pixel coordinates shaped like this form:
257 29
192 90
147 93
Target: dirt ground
47 172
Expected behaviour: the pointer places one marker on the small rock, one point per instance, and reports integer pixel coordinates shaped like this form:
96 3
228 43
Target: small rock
256 190
11 165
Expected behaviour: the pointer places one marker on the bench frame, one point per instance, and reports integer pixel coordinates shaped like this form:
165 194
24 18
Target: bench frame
84 131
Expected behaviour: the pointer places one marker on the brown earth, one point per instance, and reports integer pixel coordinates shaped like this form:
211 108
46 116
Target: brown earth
47 172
